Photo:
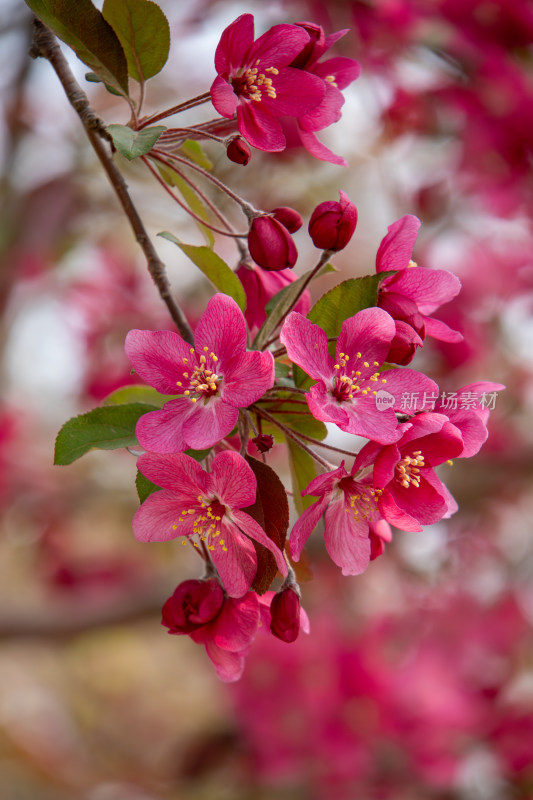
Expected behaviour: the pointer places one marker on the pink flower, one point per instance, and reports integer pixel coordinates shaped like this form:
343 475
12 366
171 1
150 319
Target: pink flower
205 507
351 516
409 492
255 81
336 73
216 378
270 244
347 387
225 625
260 286
414 292
469 413
332 223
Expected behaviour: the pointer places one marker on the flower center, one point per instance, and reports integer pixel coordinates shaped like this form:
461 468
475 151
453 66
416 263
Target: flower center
206 523
252 83
203 381
349 382
408 469
359 500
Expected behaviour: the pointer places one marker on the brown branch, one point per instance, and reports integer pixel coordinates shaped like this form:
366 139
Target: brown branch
45 46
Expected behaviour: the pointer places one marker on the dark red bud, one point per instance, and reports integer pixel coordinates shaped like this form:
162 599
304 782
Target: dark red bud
285 615
332 223
193 604
264 442
404 345
270 244
288 217
238 151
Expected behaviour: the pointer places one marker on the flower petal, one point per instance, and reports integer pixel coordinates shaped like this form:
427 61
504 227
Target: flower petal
223 97
319 150
209 421
325 407
236 625
157 357
259 127
157 518
237 564
233 480
278 46
307 346
175 471
221 329
297 93
251 528
396 248
162 431
428 288
347 540
369 332
305 526
234 44
229 666
247 377
439 330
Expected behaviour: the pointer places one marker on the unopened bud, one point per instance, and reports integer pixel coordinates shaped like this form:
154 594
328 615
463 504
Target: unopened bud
238 151
270 244
285 615
264 442
288 217
194 603
332 223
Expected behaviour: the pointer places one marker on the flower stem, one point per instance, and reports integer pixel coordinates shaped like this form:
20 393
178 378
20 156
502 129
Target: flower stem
294 436
194 101
45 45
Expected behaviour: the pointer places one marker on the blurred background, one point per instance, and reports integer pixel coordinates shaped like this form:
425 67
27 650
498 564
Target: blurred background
417 678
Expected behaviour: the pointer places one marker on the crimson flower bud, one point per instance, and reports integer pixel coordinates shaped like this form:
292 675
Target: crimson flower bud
288 217
270 244
193 605
238 151
332 223
264 442
285 615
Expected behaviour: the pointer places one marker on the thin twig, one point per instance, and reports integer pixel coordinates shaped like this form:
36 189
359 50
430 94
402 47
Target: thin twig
45 45
294 436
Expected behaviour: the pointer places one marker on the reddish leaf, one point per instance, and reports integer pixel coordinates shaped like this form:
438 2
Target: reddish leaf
271 511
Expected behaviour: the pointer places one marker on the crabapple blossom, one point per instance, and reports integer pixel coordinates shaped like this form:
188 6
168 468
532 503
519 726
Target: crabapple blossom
255 80
351 517
470 416
206 509
410 493
225 625
414 292
214 379
336 73
346 389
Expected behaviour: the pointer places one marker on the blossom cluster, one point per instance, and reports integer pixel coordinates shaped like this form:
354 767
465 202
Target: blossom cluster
264 360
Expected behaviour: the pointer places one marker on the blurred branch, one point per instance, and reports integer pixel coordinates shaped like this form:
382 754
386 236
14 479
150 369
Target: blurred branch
45 46
72 618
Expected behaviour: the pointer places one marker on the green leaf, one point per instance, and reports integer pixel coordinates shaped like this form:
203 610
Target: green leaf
138 394
271 511
132 144
92 77
340 303
105 428
143 32
191 198
192 150
144 487
281 303
213 268
94 41
303 471
344 301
